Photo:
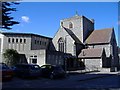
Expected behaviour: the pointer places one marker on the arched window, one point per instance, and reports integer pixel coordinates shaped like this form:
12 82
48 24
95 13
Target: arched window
61 23
61 45
70 25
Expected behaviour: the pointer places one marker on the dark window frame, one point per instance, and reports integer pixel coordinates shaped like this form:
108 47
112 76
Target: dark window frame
20 40
24 40
9 40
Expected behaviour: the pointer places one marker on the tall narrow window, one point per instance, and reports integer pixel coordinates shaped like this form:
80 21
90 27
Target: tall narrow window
9 40
70 25
35 41
24 40
40 42
16 40
12 40
20 40
61 45
74 49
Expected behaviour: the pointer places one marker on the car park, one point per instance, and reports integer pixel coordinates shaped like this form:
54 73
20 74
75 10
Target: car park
52 71
27 70
6 73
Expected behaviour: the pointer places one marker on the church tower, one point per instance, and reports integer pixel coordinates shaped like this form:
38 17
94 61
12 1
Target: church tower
72 34
79 25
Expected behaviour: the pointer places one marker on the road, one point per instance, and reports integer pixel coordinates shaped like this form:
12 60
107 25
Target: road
73 81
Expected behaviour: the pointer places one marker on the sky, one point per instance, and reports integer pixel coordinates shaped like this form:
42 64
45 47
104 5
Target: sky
43 18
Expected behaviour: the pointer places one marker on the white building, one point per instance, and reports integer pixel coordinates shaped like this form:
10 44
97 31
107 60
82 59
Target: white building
32 48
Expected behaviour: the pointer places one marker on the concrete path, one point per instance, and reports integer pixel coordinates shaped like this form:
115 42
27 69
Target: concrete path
91 75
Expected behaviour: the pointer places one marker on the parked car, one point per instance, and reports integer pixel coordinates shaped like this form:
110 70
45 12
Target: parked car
52 71
6 73
27 70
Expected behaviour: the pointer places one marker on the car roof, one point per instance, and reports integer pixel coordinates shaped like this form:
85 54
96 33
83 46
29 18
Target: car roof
27 64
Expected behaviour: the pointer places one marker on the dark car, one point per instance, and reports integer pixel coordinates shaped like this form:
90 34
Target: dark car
27 70
6 73
52 71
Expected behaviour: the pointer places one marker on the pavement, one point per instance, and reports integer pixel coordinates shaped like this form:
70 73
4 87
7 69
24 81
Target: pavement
90 72
91 75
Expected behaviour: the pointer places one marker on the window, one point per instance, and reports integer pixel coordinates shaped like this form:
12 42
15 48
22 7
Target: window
16 40
20 40
61 45
24 40
12 40
40 42
45 43
9 40
35 56
70 25
31 56
34 61
61 23
35 41
74 49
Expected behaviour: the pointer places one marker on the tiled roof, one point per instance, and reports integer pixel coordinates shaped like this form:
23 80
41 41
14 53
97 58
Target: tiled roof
100 36
26 34
72 35
91 53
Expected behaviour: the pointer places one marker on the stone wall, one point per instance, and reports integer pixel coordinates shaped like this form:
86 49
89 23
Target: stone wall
55 58
68 41
93 64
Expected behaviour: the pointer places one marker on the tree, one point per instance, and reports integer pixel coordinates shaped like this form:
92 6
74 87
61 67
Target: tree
7 20
11 57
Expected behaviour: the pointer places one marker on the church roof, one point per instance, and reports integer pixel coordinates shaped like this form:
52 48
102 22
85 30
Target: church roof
100 36
72 35
91 53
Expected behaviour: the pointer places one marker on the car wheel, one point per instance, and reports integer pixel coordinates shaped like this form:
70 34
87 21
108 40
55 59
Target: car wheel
51 76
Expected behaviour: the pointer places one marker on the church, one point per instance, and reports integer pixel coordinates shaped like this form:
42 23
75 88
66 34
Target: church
75 41
95 48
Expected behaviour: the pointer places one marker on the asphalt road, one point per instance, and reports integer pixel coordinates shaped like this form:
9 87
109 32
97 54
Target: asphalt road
73 81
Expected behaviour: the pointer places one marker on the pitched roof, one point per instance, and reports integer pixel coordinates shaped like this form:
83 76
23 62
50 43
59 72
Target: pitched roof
72 35
100 36
91 53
